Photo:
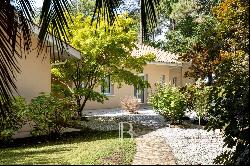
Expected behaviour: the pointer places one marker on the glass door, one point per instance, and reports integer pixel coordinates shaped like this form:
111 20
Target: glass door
139 93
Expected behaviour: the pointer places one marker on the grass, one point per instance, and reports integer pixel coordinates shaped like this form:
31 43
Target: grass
87 148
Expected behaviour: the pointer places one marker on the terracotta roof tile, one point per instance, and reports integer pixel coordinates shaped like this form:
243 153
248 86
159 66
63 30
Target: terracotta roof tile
161 56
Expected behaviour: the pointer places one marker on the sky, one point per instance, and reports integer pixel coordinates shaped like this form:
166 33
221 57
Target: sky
38 3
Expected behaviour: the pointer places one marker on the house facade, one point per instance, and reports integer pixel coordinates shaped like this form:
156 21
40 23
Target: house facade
165 69
35 75
35 72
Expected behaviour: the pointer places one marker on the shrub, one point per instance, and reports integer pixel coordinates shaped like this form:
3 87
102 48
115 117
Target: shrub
60 90
14 119
130 104
169 102
201 103
51 114
189 93
197 98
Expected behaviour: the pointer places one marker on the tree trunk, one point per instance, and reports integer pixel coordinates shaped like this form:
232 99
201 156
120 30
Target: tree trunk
83 104
78 101
210 79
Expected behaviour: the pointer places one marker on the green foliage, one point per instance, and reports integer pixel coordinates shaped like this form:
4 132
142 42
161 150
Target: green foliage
169 102
182 9
106 52
197 98
60 91
51 114
201 103
219 45
191 28
14 119
230 93
83 6
230 109
189 91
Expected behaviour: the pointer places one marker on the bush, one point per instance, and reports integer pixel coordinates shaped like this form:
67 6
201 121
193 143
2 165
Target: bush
130 104
197 98
14 119
169 102
51 114
230 110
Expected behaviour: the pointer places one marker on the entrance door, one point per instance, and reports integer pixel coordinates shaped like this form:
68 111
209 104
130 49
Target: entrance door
139 93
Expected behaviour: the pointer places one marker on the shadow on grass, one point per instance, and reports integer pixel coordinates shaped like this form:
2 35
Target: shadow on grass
85 135
86 147
35 156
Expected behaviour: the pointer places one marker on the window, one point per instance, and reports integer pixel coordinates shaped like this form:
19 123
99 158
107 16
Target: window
106 89
162 79
174 81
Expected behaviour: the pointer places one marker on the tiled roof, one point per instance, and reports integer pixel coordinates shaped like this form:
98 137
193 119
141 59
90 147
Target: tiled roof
161 56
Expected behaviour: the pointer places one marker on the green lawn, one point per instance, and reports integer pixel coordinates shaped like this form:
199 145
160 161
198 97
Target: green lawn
94 148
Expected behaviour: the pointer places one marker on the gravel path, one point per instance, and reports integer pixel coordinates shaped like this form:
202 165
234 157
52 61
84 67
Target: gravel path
192 146
188 146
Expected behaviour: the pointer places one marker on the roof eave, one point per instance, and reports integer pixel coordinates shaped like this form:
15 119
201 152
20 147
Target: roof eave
68 48
165 63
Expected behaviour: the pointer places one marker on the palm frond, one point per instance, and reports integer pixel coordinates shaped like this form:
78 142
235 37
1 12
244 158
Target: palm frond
14 27
148 17
106 9
54 23
16 24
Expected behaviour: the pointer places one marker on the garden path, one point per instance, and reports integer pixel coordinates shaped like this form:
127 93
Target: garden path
153 150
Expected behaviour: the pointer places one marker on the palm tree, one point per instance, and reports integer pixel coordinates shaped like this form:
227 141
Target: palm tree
16 21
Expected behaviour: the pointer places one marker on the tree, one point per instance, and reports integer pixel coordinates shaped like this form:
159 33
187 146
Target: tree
86 7
16 22
192 25
203 51
230 90
197 98
186 24
106 52
217 44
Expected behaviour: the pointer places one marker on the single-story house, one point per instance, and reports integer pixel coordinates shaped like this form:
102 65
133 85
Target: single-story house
166 69
35 76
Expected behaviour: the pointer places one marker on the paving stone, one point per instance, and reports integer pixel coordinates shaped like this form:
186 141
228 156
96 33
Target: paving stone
152 150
